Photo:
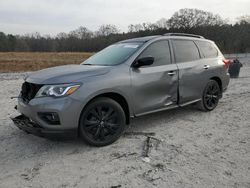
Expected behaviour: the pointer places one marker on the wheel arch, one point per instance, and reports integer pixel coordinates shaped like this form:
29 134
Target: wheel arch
218 80
120 99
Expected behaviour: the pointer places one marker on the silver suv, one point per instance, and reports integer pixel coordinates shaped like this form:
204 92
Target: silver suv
97 98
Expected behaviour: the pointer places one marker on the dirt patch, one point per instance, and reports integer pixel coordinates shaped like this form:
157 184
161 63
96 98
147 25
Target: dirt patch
31 61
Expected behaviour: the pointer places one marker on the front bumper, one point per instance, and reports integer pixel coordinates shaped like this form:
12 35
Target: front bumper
68 110
25 124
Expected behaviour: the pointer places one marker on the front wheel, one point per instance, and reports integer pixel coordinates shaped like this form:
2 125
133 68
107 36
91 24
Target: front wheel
210 97
102 122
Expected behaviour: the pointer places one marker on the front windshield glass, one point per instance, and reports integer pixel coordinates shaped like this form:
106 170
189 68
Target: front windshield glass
114 54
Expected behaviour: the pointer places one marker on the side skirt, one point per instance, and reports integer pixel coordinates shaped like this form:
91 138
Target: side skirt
166 108
157 110
189 102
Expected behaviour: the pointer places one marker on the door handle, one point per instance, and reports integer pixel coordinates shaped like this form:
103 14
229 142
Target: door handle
206 66
171 73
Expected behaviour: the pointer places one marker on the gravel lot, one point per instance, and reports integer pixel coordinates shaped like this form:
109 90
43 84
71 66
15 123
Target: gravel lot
193 148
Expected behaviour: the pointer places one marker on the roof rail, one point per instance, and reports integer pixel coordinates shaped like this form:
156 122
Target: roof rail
183 34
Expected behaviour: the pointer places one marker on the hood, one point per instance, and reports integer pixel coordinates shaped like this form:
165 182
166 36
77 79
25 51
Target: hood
66 74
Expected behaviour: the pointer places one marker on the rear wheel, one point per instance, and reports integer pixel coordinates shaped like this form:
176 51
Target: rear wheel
102 122
211 96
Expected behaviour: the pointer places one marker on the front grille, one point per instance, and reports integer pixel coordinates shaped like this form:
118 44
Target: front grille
29 91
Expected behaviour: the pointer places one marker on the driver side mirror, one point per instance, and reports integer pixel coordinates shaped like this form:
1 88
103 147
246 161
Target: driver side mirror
144 61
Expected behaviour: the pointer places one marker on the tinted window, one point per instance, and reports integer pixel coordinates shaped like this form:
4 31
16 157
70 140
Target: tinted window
160 51
114 54
207 48
185 50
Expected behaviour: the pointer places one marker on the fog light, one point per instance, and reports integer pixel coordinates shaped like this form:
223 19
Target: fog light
49 117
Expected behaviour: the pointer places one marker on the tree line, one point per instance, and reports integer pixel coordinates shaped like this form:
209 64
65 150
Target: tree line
231 38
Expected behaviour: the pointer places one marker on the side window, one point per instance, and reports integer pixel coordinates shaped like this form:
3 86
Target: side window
160 51
185 50
207 48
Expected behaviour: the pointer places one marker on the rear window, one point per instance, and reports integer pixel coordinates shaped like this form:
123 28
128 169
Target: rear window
207 49
185 50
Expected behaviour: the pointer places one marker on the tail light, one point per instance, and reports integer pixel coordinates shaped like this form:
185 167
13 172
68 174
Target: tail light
226 62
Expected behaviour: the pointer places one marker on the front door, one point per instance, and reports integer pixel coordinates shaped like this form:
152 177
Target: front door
154 87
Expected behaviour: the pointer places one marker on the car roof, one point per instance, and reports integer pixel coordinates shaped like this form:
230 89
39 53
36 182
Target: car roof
167 35
141 39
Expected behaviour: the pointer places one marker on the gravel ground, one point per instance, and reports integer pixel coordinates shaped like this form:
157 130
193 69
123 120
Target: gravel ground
191 149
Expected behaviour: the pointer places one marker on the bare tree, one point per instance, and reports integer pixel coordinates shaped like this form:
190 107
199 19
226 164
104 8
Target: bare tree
131 28
35 35
244 19
62 35
230 38
162 23
106 30
81 33
21 46
149 26
190 18
135 28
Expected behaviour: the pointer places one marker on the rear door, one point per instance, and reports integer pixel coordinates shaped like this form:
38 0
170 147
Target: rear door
211 60
190 65
154 87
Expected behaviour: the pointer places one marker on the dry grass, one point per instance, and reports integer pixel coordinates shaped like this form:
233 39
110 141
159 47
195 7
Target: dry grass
31 61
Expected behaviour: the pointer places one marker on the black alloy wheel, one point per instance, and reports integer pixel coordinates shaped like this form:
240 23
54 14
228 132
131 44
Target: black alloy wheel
102 122
211 96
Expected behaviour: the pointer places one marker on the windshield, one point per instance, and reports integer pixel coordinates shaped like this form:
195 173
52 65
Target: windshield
114 54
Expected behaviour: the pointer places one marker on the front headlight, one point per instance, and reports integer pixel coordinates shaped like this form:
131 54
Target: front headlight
57 90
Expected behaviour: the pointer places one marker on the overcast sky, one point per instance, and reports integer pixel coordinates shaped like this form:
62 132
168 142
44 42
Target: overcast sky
54 16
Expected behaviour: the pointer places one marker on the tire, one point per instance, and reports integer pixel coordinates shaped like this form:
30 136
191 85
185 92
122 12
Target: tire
102 122
210 96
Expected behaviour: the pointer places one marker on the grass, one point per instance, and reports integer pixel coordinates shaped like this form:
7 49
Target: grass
32 61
